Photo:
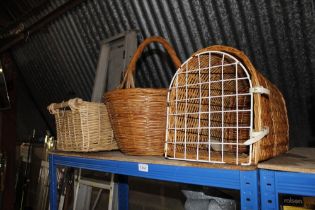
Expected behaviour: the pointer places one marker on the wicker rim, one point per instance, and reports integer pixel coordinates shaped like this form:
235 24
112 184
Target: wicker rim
152 91
73 104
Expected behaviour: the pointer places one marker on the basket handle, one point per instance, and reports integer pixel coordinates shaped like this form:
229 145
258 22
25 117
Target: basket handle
128 81
72 104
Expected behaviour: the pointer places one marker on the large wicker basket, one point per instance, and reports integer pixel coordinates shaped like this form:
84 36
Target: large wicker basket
82 126
222 110
138 115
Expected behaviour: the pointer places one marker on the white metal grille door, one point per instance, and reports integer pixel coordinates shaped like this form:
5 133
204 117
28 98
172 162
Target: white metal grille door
209 114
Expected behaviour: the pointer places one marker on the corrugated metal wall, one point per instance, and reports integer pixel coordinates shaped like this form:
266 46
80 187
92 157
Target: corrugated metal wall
51 6
28 116
59 61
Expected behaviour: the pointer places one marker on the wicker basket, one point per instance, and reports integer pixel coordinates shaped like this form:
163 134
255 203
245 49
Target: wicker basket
82 126
221 110
138 115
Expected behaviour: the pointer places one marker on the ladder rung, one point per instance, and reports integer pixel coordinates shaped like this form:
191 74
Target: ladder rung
95 183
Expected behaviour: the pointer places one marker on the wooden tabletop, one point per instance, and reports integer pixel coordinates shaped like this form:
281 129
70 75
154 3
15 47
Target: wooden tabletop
118 156
298 159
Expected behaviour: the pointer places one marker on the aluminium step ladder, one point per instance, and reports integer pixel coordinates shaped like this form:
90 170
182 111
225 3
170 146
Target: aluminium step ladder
83 192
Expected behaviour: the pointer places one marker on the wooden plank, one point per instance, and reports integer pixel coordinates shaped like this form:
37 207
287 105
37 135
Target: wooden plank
118 156
298 159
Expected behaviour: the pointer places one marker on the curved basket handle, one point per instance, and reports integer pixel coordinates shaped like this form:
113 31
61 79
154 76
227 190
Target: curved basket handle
128 81
72 104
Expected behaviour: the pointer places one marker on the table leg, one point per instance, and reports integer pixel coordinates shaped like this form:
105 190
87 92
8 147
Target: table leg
53 183
123 189
274 183
268 190
249 190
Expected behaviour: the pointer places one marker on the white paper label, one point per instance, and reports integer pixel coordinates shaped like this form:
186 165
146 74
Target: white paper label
143 167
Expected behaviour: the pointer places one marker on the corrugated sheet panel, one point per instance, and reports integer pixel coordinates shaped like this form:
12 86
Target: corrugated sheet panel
60 61
48 6
30 10
28 116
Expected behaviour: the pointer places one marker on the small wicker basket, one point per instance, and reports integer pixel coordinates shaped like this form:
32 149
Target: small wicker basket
138 115
82 126
222 110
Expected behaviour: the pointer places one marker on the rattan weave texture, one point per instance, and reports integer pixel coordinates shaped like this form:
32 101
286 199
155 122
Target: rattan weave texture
138 115
82 126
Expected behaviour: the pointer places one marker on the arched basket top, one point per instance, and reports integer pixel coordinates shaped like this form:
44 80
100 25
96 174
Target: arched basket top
234 56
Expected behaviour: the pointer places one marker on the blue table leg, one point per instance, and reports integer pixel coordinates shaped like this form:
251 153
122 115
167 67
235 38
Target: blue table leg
53 183
123 189
249 190
273 183
268 190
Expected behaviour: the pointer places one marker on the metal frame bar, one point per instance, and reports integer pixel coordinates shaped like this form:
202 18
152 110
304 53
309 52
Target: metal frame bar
273 183
245 181
53 183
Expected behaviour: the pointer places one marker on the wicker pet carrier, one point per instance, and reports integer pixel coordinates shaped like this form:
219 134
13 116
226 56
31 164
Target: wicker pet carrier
138 115
82 126
222 110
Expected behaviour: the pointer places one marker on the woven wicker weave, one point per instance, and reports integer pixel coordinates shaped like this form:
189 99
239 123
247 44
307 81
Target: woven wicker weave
138 115
82 126
206 84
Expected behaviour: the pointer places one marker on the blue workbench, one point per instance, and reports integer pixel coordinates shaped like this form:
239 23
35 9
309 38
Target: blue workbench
290 173
240 178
